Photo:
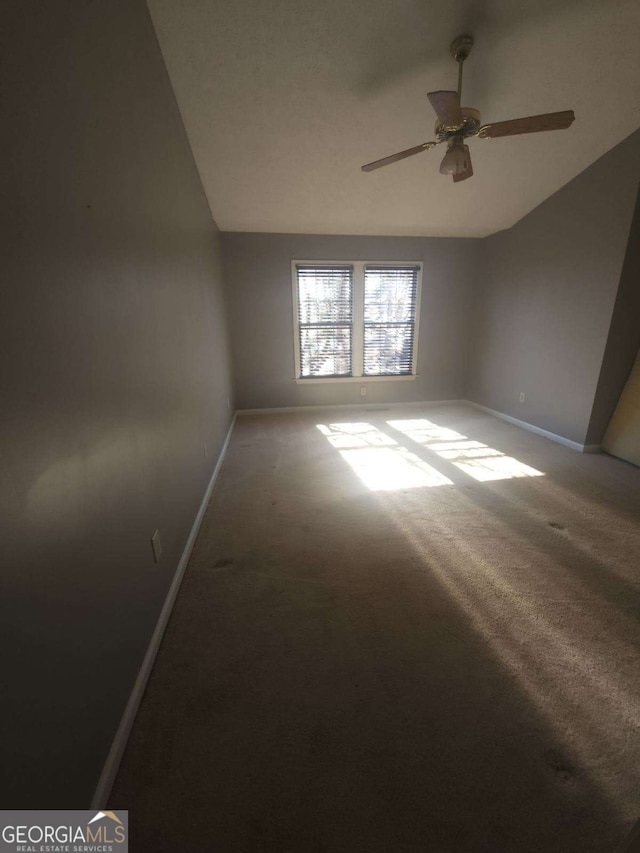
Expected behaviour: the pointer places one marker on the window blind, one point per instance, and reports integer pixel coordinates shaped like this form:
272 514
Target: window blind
390 295
325 319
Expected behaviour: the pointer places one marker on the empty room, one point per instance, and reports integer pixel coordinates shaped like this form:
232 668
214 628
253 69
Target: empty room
320 474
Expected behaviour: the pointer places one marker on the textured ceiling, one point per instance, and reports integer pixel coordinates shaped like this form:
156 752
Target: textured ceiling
284 100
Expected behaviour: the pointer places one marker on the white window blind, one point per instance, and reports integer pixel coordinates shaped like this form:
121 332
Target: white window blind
390 296
325 320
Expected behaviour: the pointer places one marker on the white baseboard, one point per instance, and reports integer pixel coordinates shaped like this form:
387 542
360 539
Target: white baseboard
110 769
421 404
560 439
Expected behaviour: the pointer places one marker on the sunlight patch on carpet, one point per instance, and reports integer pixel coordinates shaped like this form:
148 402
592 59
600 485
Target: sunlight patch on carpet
387 469
355 435
474 458
378 460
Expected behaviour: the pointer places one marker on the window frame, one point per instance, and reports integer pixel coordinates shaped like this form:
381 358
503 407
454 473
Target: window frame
357 336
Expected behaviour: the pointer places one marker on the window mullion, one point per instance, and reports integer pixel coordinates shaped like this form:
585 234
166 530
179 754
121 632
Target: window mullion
357 338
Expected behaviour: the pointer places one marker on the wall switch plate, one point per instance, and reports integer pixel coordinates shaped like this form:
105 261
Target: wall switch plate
522 396
204 450
363 392
157 547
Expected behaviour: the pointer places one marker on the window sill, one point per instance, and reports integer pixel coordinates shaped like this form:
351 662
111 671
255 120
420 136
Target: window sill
362 380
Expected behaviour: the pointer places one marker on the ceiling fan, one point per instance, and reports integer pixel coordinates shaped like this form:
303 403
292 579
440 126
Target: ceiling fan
455 124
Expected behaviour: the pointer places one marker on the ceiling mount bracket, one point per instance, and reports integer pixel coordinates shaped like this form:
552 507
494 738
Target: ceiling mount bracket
461 47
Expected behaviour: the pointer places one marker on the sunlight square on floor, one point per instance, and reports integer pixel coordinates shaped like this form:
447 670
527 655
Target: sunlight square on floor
378 460
474 458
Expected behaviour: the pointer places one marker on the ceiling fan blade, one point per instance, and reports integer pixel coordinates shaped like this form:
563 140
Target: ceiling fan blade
393 158
530 124
447 107
468 172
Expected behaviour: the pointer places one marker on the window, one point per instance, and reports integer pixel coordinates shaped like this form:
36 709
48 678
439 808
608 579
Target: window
355 320
325 320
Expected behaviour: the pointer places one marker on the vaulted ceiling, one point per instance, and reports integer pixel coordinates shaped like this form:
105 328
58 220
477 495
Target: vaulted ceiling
284 100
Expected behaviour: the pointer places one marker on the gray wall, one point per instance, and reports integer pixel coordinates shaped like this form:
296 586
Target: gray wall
114 371
259 293
544 301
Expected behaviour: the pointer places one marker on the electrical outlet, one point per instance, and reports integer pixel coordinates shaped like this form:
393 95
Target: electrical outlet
522 396
204 450
363 392
157 547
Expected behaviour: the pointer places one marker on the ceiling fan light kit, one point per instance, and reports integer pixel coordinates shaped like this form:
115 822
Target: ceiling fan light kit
456 160
455 123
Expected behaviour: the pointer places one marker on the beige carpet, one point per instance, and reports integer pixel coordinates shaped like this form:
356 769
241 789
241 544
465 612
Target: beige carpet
403 630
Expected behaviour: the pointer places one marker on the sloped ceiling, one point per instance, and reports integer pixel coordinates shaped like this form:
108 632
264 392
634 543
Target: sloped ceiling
284 100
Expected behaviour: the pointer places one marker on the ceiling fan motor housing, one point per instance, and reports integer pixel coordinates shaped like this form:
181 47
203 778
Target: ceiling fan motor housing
470 126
